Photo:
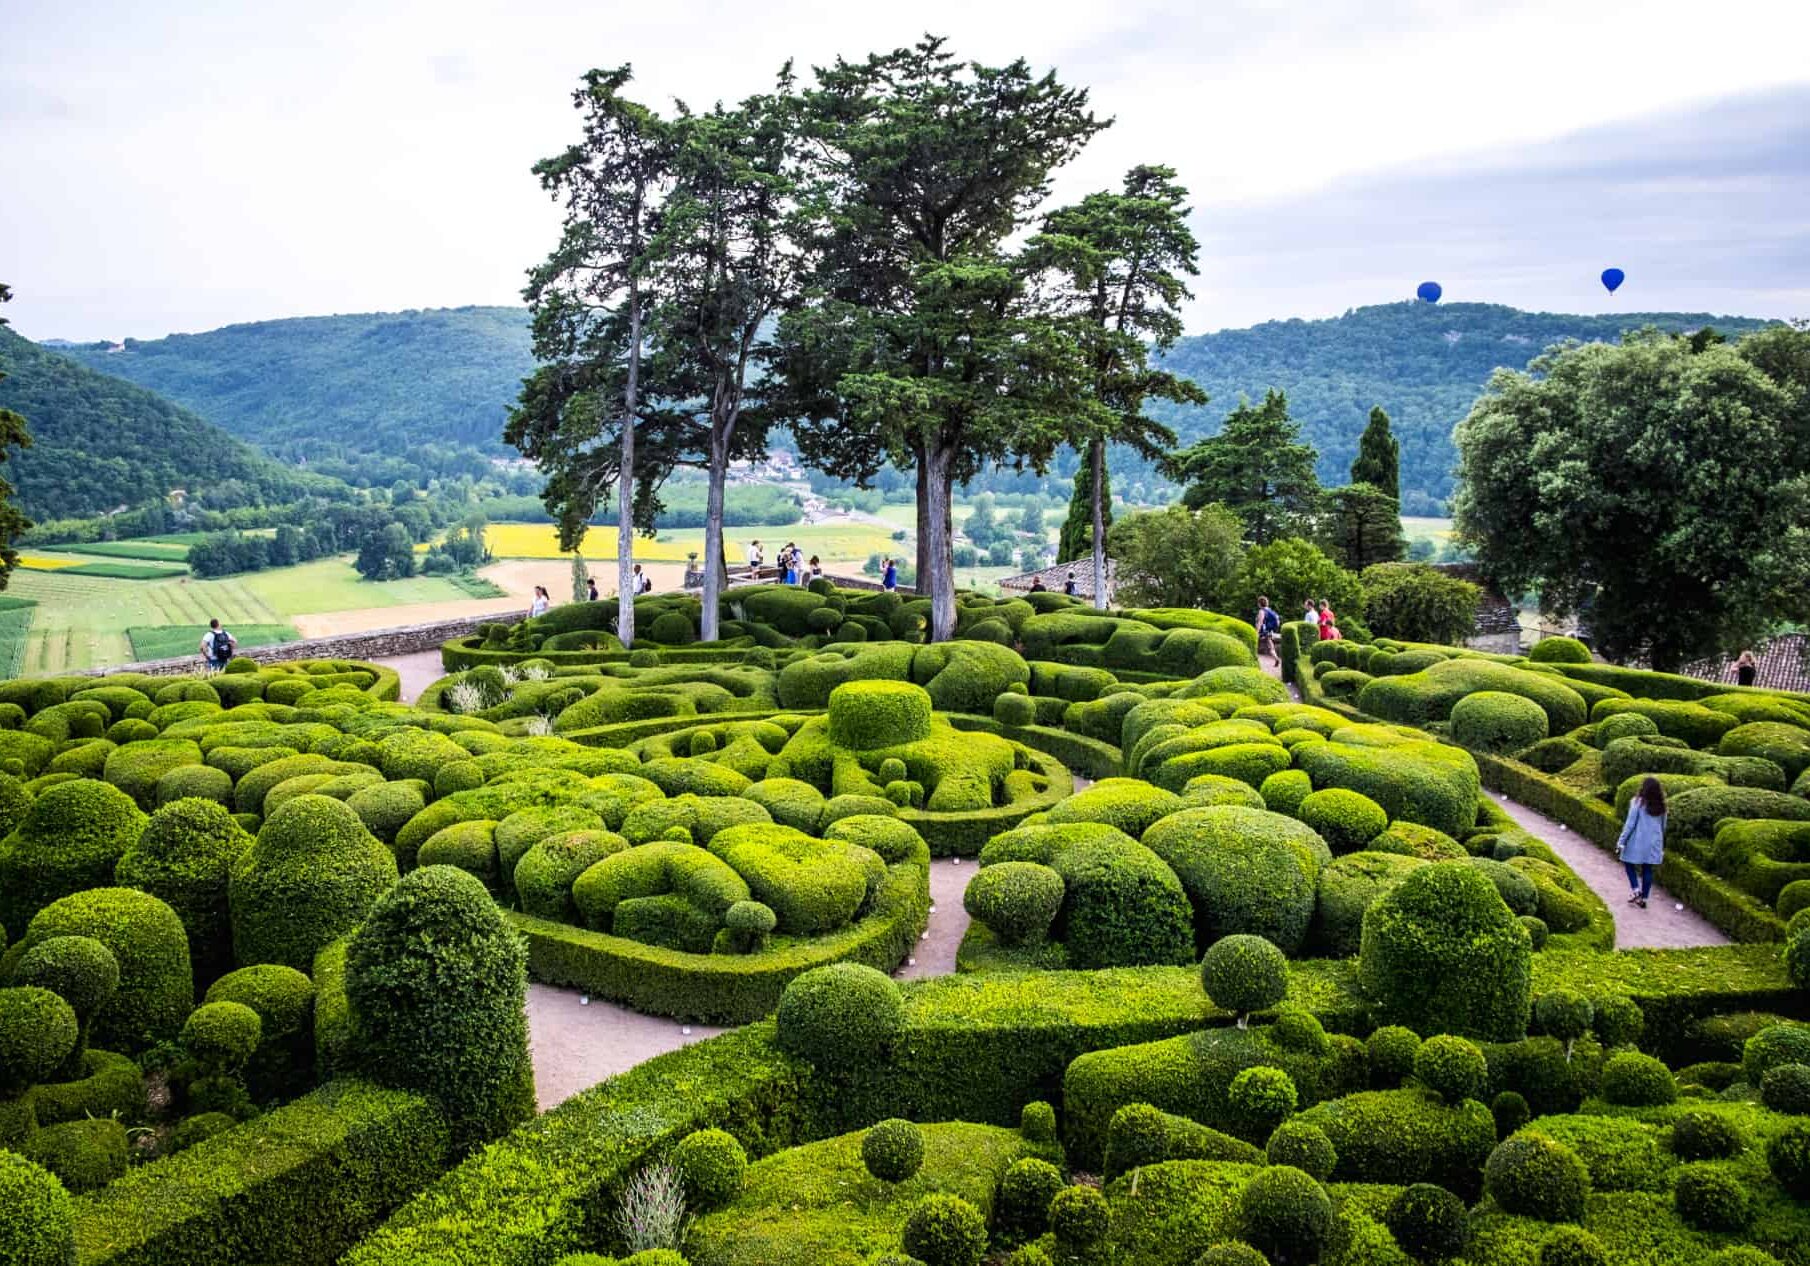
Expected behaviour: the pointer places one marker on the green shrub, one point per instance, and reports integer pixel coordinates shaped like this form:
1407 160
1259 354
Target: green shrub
38 1030
1564 1014
1537 1178
221 1036
1286 1215
1637 1080
1021 1210
1510 1111
1261 1098
1693 723
70 840
544 877
1788 1157
1079 1219
1710 1199
436 980
1014 709
1304 1146
870 714
1017 900
1451 1068
1404 1136
1346 820
893 1150
1774 1045
1442 953
1422 782
79 970
1559 650
84 1155
282 998
39 1226
201 781
1245 871
1572 1246
1518 892
1492 721
185 857
1231 1253
1391 1051
944 1230
713 1167
1243 973
470 846
841 1017
1037 1121
1699 1135
1432 693
310 877
1429 1222
1130 804
1786 1088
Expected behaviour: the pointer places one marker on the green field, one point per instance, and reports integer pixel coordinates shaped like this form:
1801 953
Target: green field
147 550
16 615
167 641
82 621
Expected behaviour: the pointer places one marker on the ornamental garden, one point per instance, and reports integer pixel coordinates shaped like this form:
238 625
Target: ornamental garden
1259 970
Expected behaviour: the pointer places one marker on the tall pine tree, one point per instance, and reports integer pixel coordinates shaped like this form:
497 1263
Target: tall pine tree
12 523
1378 461
1257 467
1077 540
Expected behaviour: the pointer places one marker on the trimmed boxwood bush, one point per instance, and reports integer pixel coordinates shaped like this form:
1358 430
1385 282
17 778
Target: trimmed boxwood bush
1788 1157
892 1150
1391 1050
1559 650
1404 1136
869 714
38 1030
1537 1177
841 1017
1574 1246
70 840
1021 1210
1442 953
311 876
1347 820
1245 871
221 1036
1773 1045
39 1226
185 857
282 997
712 1165
945 1230
1130 804
437 982
1244 973
1699 1135
79 970
1017 900
1492 721
84 1154
1261 1098
1286 1215
1079 1219
1786 1088
1429 1222
1303 1145
1451 1068
1711 1199
1637 1080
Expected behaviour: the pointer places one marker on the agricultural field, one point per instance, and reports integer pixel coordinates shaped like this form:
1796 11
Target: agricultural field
148 550
16 615
167 641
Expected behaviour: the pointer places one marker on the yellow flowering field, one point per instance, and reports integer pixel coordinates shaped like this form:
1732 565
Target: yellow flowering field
541 540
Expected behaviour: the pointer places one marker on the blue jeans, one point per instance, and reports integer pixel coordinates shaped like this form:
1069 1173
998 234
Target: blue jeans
1640 877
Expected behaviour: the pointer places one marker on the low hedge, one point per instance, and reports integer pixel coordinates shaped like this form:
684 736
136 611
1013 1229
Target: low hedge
724 988
298 1185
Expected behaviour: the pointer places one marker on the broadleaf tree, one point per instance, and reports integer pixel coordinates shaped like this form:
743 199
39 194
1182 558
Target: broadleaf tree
13 435
1114 265
1659 488
1257 467
915 344
1177 557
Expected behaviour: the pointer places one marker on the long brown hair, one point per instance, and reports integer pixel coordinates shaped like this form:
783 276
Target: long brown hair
1652 795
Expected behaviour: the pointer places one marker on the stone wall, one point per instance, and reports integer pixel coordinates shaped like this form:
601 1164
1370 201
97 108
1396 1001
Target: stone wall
375 644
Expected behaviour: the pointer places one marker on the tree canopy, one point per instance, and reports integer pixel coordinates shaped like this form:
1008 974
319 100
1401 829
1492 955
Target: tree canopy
1378 462
13 435
1257 468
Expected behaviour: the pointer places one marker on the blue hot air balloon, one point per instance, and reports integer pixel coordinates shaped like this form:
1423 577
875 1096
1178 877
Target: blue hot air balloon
1430 291
1612 278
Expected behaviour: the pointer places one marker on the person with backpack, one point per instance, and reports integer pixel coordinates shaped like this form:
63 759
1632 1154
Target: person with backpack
1642 843
889 576
1069 588
1269 624
217 647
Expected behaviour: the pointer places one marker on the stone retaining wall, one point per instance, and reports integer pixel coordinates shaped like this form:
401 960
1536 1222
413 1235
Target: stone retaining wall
374 644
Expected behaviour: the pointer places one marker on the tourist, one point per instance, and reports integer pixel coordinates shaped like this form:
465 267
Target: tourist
541 602
1268 625
640 582
815 570
1310 613
1746 669
889 576
590 588
1068 586
217 647
1328 629
788 562
1037 585
1642 843
754 560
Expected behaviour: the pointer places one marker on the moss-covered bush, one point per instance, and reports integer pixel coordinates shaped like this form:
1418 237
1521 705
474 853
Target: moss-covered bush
1636 1080
1244 973
1286 1215
1711 1199
1537 1178
311 876
1701 1135
1347 820
1451 1068
1429 1222
892 1150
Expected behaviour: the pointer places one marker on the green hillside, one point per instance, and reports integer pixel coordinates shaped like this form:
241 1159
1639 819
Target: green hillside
321 388
99 442
1424 363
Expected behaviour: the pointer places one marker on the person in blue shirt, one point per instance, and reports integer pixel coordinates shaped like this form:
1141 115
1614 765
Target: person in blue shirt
1642 843
889 578
1268 625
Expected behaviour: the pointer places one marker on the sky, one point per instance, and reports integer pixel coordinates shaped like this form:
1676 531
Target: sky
168 168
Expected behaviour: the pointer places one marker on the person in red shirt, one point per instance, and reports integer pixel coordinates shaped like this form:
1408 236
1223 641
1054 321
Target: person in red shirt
1327 631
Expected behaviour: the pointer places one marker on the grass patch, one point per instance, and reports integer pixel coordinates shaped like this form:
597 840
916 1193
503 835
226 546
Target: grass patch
146 551
15 631
475 586
125 571
168 641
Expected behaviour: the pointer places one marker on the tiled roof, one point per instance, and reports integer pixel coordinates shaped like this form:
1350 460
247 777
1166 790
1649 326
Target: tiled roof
1055 577
1780 663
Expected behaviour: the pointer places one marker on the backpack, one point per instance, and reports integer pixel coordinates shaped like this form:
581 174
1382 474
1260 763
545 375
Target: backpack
223 646
1271 621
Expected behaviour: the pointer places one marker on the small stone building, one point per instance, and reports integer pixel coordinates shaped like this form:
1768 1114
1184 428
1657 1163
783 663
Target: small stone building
1054 578
1498 627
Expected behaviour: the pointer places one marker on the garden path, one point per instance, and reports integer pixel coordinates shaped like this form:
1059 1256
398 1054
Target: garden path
418 672
1666 923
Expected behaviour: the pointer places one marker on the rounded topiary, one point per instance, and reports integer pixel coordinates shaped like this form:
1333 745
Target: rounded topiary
1636 1080
1710 1199
1298 1029
842 1016
78 969
1244 973
1537 1178
1564 1014
1788 1157
456 776
1793 898
1537 931
1510 1112
1786 1088
1016 900
1429 1222
1015 709
1021 1211
1037 1122
1284 791
69 840
222 1035
1137 1135
1617 1020
1262 1098
85 1154
201 1127
1738 1255
1701 1135
1572 1246
1495 721
1303 1145
893 1150
1451 1068
1346 820
39 1226
1776 1044
1441 952
1231 1253
1390 1051
944 1230
867 714
312 875
436 982
185 857
1286 1214
38 1030
1797 951
1079 1219
1621 725
712 1165
1559 650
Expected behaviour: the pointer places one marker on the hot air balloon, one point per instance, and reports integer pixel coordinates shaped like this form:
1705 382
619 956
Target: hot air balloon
1613 277
1430 291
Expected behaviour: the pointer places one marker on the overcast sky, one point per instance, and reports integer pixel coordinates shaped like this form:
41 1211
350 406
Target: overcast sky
179 167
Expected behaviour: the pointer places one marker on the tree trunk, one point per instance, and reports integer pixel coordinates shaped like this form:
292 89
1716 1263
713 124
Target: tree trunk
938 578
625 481
1096 458
923 560
713 533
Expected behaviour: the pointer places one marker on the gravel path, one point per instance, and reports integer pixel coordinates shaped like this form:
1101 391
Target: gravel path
418 672
949 920
577 1043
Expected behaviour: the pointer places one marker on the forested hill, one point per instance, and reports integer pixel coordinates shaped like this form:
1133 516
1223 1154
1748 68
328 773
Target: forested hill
99 443
392 383
1424 363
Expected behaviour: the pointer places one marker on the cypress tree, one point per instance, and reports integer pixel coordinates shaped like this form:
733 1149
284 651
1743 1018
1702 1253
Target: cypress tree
1379 456
1077 541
